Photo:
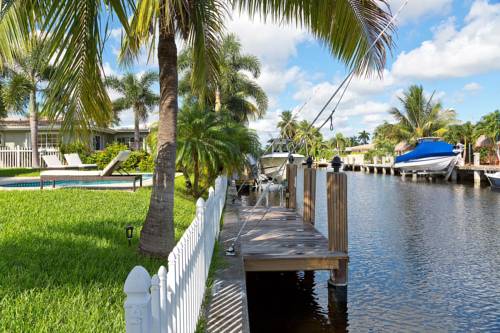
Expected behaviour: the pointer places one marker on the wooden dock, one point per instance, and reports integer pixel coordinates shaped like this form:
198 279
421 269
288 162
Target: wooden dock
278 240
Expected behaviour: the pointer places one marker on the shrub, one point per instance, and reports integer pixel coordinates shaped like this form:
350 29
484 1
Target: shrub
138 159
80 148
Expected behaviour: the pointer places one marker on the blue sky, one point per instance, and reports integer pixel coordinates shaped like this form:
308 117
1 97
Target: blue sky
450 47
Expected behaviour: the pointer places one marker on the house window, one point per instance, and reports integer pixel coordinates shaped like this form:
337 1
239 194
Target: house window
97 142
48 140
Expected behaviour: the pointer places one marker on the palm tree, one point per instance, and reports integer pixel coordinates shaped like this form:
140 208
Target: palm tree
348 28
136 95
421 116
460 133
287 125
235 90
208 142
353 141
309 138
338 142
24 74
364 137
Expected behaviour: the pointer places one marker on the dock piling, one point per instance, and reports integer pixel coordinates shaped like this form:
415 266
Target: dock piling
309 194
291 176
337 224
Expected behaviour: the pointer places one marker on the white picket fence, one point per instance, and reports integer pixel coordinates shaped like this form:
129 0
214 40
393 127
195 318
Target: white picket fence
170 301
20 157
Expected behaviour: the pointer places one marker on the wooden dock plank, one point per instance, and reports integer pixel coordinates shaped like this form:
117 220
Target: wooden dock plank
281 241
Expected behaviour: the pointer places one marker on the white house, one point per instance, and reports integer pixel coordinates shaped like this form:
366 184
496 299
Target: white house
15 132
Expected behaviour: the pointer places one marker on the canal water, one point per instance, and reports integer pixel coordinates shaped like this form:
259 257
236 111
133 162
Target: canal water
424 257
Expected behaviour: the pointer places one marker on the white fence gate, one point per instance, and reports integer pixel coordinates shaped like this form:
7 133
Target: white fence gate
20 157
170 301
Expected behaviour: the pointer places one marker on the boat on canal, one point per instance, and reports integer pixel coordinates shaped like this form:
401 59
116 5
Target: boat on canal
431 155
272 164
494 179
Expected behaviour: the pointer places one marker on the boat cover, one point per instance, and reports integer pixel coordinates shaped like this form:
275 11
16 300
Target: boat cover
427 149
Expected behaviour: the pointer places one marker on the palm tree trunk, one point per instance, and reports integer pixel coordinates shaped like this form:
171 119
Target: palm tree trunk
196 172
157 235
218 104
35 160
136 130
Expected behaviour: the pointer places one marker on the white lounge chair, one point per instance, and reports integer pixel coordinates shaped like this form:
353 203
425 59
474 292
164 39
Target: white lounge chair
53 162
75 161
106 174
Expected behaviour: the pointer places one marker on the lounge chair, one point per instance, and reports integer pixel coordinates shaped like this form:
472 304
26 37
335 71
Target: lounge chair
75 161
53 162
97 175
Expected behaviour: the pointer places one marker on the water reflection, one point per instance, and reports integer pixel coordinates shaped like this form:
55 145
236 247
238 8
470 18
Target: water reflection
423 257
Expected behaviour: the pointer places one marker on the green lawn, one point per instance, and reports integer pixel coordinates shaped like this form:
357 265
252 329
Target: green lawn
19 172
64 257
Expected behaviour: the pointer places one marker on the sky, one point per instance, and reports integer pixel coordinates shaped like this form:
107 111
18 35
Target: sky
451 48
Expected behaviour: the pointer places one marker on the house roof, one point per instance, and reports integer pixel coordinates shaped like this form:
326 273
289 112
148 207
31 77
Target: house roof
22 124
361 148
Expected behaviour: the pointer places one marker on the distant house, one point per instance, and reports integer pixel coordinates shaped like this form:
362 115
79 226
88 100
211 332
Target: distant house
16 133
360 149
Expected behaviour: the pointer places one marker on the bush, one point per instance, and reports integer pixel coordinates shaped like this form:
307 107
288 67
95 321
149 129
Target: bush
138 159
80 148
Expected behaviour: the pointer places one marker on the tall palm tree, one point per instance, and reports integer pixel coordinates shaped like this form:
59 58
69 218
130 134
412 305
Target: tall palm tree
364 137
421 116
235 90
287 125
24 74
137 94
347 28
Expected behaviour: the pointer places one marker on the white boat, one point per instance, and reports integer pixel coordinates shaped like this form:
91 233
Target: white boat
429 164
273 164
431 155
494 179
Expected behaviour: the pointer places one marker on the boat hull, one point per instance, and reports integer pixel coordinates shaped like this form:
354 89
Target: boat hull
272 165
428 164
494 180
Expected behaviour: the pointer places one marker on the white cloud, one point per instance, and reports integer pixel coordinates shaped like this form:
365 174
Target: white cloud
272 43
473 86
473 49
108 70
275 81
116 33
419 8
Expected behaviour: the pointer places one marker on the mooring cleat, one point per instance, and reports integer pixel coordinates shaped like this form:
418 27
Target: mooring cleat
230 251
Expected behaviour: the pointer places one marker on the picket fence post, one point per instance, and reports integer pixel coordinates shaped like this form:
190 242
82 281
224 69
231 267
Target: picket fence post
138 303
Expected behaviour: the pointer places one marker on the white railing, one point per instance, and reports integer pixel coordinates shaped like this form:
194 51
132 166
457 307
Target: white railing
170 301
20 157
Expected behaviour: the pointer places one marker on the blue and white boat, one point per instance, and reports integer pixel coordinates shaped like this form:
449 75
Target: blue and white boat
431 155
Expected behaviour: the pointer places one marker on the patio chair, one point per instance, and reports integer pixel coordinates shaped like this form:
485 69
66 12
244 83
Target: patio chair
53 162
75 161
93 176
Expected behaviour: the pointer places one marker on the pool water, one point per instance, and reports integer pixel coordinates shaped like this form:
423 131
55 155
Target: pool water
73 183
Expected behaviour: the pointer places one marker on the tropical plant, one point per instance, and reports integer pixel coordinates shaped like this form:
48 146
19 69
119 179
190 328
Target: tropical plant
352 141
421 116
137 94
309 139
385 137
208 143
338 142
364 137
489 125
235 90
24 75
287 125
461 133
347 28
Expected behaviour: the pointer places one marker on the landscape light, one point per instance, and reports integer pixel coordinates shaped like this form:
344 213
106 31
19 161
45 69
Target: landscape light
309 162
336 163
129 232
290 158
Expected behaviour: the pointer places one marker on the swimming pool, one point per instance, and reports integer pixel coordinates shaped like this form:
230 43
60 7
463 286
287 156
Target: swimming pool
33 183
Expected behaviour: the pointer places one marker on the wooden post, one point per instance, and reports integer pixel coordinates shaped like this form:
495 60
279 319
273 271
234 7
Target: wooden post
291 177
309 194
337 223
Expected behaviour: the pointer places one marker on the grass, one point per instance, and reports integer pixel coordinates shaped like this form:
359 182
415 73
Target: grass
19 172
64 257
